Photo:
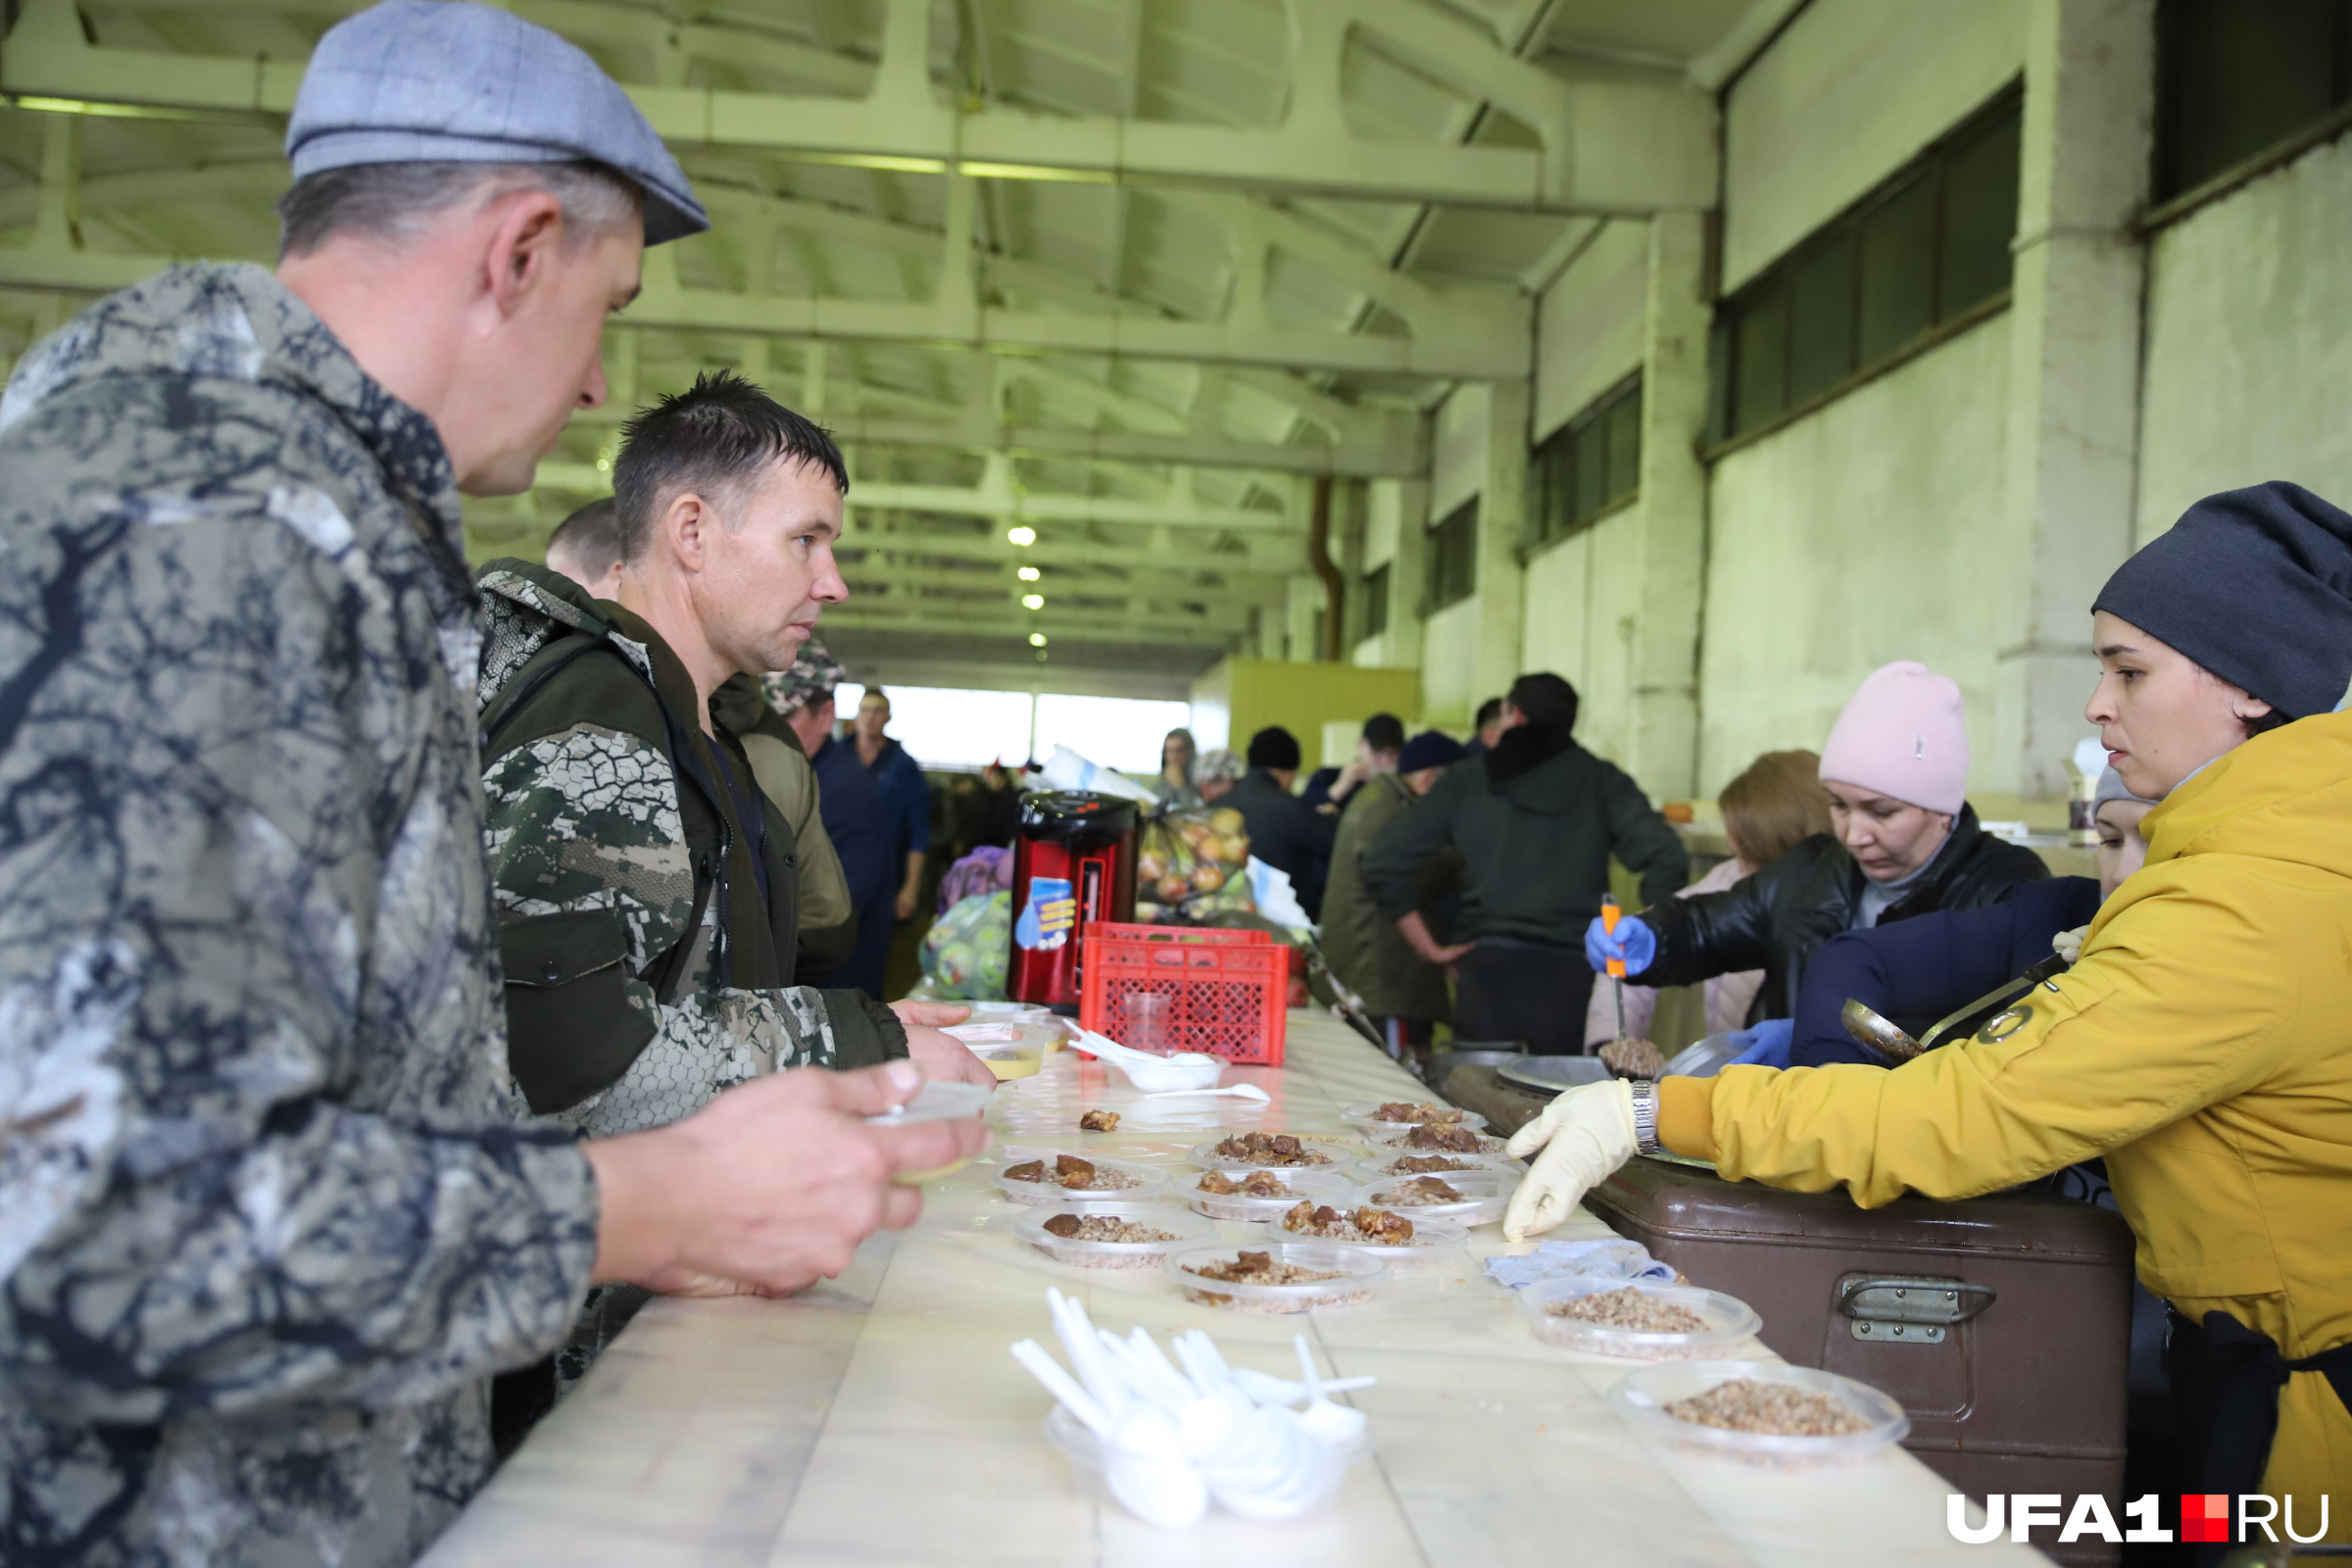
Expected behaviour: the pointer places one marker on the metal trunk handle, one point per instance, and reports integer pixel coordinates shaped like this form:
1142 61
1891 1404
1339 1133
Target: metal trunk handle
1904 1310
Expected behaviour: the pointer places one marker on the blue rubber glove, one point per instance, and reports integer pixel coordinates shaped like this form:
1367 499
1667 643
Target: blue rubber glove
1766 1045
1632 941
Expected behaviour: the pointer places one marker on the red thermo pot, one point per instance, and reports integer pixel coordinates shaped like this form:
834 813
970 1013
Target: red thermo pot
1072 865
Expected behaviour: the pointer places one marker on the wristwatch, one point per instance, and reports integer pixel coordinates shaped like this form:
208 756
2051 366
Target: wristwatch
1645 1117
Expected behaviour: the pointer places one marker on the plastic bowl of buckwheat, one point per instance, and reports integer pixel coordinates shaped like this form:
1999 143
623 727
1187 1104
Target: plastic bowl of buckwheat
1643 1322
1100 1235
1402 1240
1254 1196
1466 1197
1277 1276
1760 1413
1058 1176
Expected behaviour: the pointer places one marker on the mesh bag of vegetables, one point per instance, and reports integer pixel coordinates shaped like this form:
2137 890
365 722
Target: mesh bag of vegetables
965 950
1192 861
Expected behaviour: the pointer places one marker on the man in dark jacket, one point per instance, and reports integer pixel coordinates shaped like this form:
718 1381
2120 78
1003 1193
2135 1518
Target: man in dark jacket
857 819
1906 843
1535 818
1402 992
1285 831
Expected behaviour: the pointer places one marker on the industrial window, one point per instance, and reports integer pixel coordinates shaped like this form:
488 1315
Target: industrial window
1928 248
2236 81
1375 597
1454 557
1588 466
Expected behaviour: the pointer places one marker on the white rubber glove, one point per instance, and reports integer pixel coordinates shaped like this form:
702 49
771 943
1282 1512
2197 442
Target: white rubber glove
2067 944
1586 1133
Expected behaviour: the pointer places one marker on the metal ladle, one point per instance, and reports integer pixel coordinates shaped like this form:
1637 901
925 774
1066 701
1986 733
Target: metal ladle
1875 1032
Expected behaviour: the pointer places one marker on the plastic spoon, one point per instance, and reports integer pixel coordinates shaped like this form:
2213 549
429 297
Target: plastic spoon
1187 1069
1331 1425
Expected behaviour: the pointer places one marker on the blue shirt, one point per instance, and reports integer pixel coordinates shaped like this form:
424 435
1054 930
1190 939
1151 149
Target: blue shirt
850 803
905 797
1915 971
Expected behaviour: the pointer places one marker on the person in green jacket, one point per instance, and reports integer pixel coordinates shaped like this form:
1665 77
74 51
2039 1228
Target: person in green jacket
1403 992
1537 820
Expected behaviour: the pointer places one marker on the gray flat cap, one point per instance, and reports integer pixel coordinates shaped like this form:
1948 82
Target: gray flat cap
447 80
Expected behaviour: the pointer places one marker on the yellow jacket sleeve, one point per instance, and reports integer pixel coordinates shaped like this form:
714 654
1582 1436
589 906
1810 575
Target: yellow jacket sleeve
2182 999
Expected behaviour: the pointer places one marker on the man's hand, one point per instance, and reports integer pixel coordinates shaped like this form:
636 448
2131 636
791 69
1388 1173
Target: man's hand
908 897
771 1186
940 1055
1418 937
930 1015
945 1057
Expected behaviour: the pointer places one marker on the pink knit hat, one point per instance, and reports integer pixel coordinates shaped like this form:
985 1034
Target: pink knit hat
1901 735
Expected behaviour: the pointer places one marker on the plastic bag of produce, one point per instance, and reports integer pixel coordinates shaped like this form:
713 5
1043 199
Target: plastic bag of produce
965 950
1198 854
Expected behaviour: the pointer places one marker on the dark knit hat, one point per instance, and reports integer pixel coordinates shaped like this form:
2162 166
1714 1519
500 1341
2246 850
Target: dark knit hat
1429 749
2255 585
1274 747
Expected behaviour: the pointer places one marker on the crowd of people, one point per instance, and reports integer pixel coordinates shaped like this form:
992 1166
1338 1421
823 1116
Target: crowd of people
409 968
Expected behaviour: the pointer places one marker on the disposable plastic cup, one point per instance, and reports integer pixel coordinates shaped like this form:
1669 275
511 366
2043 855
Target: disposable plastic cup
1146 1018
1311 1491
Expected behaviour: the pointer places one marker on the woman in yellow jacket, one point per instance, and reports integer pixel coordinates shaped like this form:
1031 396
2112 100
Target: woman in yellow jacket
2202 1042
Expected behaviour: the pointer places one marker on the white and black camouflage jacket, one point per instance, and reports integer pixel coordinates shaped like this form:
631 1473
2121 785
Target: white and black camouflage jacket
266 1220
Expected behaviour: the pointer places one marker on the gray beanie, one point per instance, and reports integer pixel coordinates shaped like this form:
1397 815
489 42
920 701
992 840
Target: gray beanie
2255 585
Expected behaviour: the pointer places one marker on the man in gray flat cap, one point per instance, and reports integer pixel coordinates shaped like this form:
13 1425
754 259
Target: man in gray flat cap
267 1223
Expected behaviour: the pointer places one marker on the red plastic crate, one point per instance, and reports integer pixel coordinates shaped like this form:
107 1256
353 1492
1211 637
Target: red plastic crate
1227 990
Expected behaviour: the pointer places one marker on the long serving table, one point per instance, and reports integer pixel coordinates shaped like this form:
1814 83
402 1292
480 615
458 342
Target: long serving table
877 1419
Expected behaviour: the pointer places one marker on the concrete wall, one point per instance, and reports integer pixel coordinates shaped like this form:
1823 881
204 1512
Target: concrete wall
1871 532
1842 99
1457 450
1589 324
2248 374
1448 660
1580 594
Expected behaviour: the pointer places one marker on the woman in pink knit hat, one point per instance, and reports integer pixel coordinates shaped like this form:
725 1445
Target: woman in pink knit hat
1903 841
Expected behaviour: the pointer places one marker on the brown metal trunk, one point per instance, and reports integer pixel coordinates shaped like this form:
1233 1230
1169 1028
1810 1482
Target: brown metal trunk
2025 1394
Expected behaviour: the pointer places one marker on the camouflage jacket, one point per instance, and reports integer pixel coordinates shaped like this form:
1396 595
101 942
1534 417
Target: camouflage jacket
647 920
267 1224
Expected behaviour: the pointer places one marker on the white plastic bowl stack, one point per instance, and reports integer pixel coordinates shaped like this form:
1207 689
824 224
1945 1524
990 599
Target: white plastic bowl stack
1168 1442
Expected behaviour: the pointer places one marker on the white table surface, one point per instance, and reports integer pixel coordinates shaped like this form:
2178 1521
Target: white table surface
877 1419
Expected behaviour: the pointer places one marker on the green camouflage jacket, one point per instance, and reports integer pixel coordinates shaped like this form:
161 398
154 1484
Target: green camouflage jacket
650 959
266 1222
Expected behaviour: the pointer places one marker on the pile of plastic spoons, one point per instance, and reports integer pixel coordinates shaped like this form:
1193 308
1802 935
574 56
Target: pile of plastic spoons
1174 1435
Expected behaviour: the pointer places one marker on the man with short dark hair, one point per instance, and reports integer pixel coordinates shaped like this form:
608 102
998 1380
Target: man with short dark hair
1285 831
1535 818
266 1226
586 548
614 795
1486 729
1376 751
647 887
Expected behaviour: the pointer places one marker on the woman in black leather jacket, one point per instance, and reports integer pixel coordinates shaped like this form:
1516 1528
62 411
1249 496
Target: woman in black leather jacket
1894 766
